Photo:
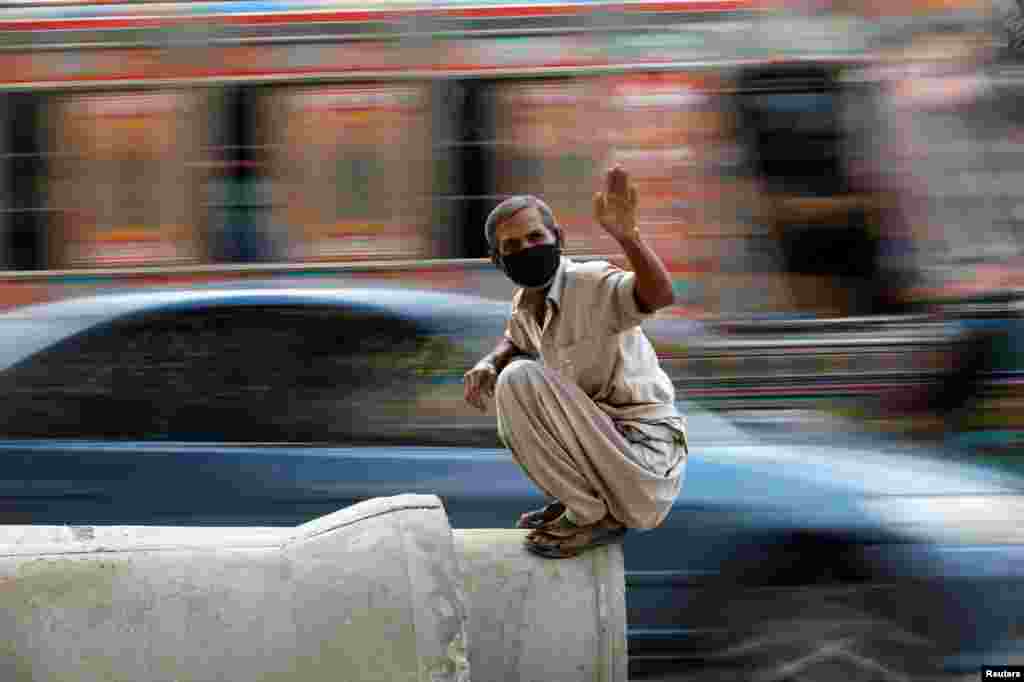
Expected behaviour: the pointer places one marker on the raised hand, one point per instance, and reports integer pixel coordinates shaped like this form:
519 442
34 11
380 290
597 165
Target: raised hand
615 208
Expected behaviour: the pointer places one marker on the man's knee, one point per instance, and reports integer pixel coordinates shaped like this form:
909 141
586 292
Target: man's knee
518 373
646 525
649 521
514 392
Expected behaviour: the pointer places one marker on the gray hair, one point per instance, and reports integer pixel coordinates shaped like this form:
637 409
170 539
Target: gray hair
509 207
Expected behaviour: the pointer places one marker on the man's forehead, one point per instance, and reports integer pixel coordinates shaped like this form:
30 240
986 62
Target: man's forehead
524 219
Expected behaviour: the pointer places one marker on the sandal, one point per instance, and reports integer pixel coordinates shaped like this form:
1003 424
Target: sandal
564 539
541 517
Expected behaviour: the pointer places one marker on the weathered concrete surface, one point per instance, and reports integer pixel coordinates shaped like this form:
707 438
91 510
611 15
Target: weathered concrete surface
382 590
369 593
542 620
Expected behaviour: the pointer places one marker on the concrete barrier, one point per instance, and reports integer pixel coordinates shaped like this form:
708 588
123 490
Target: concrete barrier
371 592
382 590
534 619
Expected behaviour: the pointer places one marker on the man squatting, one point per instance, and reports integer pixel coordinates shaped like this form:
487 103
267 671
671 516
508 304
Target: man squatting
592 420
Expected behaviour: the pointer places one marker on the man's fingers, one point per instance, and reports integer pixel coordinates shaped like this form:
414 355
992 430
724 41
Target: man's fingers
478 384
620 193
618 180
472 386
487 382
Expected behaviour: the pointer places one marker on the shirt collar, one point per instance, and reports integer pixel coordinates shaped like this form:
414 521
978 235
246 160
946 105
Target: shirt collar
558 283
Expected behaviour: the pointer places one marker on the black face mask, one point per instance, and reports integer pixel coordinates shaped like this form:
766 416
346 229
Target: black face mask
533 267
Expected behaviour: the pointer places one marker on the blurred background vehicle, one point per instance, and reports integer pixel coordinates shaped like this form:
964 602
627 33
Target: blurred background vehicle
828 553
835 188
259 364
795 163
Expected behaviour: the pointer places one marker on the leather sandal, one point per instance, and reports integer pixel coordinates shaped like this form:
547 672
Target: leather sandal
539 517
563 539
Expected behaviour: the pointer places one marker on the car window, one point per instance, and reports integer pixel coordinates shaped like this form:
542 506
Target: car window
241 374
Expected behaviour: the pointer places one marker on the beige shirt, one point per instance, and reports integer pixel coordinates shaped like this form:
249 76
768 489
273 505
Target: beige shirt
591 334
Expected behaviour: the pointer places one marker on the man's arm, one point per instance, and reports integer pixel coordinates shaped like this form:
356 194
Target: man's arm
615 209
502 354
479 382
653 289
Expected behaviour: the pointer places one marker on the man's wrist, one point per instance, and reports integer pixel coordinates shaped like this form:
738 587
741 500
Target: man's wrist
630 235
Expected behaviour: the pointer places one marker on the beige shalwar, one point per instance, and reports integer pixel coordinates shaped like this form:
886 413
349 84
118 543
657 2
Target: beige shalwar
593 421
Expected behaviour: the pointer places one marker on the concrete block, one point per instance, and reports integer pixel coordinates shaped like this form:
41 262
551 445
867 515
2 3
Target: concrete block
382 590
371 592
542 620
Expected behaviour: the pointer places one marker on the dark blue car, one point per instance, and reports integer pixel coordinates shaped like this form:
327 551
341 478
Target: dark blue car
844 557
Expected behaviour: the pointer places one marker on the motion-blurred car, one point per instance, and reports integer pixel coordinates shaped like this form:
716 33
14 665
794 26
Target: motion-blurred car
839 558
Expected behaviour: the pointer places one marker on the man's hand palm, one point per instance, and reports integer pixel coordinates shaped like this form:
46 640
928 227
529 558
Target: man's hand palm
616 213
615 208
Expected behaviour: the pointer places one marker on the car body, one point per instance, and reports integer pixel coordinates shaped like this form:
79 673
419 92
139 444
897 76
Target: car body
271 405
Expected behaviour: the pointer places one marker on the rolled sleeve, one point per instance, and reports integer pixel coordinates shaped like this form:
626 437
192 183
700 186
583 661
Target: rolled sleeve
623 311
